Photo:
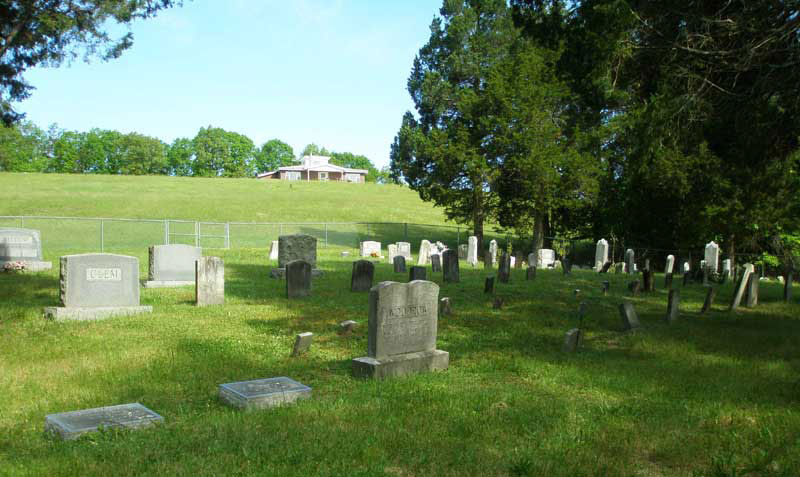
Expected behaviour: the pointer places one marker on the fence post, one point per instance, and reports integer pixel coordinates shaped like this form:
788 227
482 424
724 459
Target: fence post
102 236
326 235
227 235
166 232
197 234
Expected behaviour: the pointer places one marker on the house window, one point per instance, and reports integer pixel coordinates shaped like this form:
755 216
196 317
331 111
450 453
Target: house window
293 175
323 176
352 177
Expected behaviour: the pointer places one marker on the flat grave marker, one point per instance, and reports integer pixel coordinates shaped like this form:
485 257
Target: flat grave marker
263 393
71 425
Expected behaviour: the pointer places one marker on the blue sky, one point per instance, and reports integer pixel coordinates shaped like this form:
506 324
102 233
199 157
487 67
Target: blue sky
329 72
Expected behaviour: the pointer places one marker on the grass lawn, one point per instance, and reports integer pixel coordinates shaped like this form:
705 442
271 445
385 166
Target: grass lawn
715 395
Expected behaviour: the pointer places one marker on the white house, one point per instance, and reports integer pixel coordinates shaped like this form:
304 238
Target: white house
317 168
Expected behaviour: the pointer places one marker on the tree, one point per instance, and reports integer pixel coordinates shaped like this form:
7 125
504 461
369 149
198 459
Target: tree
180 157
274 154
447 154
23 148
221 153
137 154
314 150
355 161
34 32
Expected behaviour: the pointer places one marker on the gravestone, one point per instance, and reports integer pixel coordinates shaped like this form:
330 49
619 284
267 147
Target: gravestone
504 269
273 250
436 263
787 286
670 264
370 248
545 258
606 286
668 281
712 256
472 250
424 252
530 273
513 261
172 265
22 245
71 425
209 287
726 268
673 303
451 271
618 268
711 292
97 285
404 249
647 278
572 340
347 327
416 273
399 264
629 260
627 312
302 343
488 286
445 307
296 247
402 331
487 261
263 393
391 251
463 250
493 251
531 259
362 276
298 279
751 293
600 254
741 285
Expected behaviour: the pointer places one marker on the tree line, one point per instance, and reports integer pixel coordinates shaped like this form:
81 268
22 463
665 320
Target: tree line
661 124
213 152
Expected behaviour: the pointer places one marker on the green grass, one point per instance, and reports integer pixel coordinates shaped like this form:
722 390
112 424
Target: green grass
712 395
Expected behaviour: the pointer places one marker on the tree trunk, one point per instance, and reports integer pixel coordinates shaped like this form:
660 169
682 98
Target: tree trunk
538 232
478 217
730 250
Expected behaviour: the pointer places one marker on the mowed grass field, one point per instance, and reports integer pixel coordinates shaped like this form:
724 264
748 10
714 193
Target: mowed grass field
711 395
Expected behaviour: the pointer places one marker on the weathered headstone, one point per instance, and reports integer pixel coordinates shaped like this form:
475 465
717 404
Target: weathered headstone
488 286
711 292
606 286
416 273
302 343
618 267
451 271
628 314
98 285
402 331
404 249
545 258
424 252
347 327
399 264
472 250
209 284
741 286
670 264
712 256
600 254
504 268
436 263
370 248
22 245
362 276
493 251
296 247
273 250
629 260
487 261
572 340
172 265
71 425
463 250
263 393
391 251
530 273
752 290
726 269
298 279
513 260
445 306
673 304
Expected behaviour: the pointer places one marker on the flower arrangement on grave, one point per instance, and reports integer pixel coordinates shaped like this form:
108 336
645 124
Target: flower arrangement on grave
374 255
14 266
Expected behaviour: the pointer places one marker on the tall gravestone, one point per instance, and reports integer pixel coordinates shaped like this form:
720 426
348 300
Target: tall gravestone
726 269
273 250
451 272
370 248
711 292
296 247
488 285
472 250
96 286
670 264
399 264
171 265
22 245
493 251
741 286
504 268
630 261
487 260
712 256
209 281
362 276
436 263
673 302
402 331
463 251
424 252
751 292
404 249
391 251
545 258
600 254
298 279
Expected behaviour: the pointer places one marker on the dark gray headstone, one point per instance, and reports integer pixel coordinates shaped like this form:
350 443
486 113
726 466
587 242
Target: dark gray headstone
402 330
504 268
673 304
709 300
488 286
362 276
436 263
209 281
451 272
297 247
628 314
647 278
416 273
572 340
530 273
302 343
71 425
263 393
298 279
629 260
752 290
173 263
399 263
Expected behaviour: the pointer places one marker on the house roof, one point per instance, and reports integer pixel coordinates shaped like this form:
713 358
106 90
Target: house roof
316 164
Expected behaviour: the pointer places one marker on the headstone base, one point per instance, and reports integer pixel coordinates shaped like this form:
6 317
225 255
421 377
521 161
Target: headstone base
401 364
281 273
263 393
30 265
75 313
70 425
166 284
